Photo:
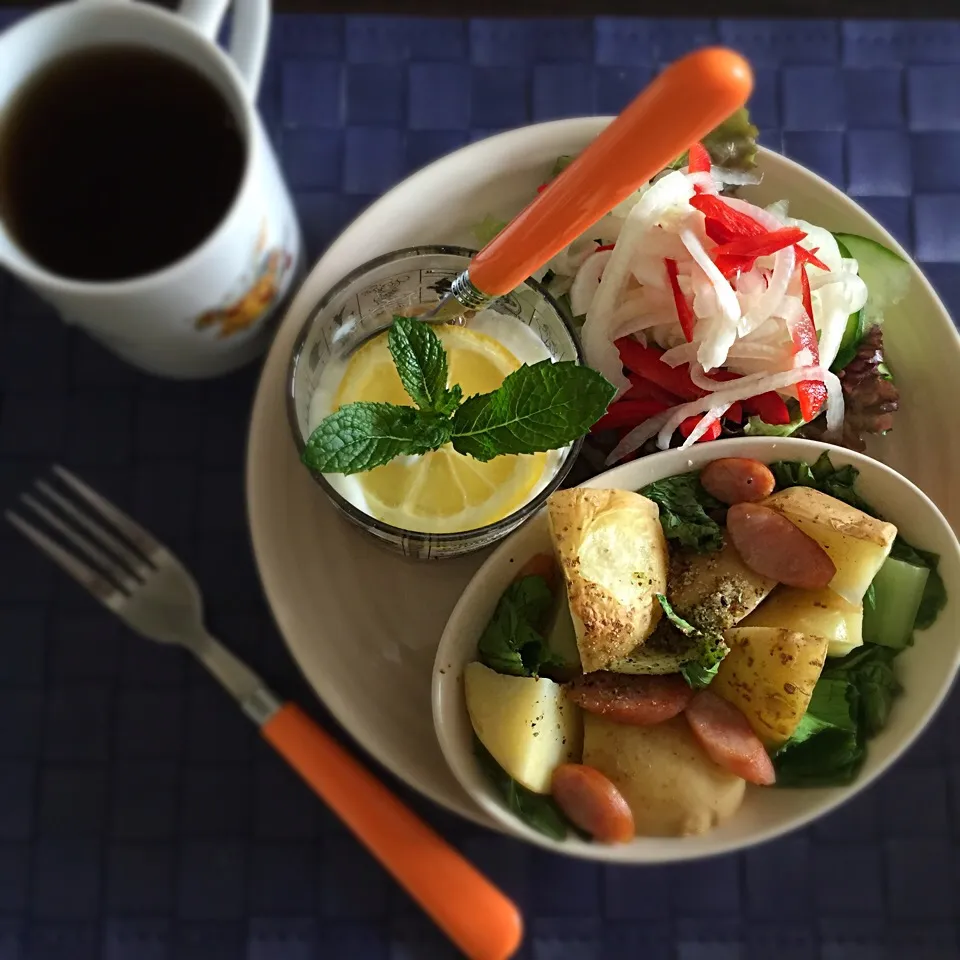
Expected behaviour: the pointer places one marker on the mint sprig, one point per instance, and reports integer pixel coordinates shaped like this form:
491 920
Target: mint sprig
421 363
536 408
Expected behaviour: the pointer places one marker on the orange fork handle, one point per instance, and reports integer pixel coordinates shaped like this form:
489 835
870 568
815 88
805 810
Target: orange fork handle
681 105
473 913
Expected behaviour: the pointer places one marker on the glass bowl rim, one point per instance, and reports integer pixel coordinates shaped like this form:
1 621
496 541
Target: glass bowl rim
505 524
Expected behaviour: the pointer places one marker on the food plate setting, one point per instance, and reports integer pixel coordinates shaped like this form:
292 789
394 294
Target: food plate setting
599 479
368 593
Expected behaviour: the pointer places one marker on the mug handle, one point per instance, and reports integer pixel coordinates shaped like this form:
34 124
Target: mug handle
248 36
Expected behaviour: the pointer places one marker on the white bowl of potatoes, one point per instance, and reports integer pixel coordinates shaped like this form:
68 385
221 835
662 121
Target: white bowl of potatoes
623 665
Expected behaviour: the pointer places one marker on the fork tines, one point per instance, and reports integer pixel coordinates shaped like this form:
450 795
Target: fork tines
117 553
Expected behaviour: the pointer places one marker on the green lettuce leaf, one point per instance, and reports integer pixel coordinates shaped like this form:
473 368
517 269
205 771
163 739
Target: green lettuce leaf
511 642
535 810
683 512
706 656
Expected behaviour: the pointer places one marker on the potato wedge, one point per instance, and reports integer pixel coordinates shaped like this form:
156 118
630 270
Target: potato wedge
526 723
769 674
816 613
856 542
614 560
673 788
715 590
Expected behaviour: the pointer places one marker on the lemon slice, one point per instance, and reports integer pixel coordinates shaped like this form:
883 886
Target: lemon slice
443 491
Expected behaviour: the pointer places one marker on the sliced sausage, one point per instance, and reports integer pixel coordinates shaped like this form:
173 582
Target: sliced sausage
737 480
628 698
728 739
592 802
776 548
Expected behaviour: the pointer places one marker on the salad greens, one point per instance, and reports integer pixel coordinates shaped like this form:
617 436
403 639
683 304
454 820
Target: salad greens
511 642
850 704
684 516
710 648
732 145
534 809
851 701
540 407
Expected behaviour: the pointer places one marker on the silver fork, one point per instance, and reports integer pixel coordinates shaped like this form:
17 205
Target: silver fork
145 585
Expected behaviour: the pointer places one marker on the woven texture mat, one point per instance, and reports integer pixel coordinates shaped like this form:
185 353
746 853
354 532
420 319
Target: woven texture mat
140 817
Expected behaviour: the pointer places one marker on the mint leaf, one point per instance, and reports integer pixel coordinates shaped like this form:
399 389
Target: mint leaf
361 436
687 629
421 363
536 408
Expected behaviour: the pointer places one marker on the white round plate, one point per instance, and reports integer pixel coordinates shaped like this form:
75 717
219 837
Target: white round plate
363 624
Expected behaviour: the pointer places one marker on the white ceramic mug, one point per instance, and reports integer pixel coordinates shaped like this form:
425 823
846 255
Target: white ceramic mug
210 311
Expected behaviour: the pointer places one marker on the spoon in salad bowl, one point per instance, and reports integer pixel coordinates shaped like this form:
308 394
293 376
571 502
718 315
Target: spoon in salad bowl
686 101
798 609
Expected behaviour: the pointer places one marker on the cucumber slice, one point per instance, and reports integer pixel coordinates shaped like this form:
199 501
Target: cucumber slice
852 335
886 274
898 589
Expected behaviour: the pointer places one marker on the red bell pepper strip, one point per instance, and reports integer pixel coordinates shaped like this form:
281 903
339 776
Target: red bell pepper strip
646 363
628 413
606 246
769 407
641 389
698 160
808 256
542 187
761 245
730 266
712 432
728 222
810 393
724 225
684 310
734 412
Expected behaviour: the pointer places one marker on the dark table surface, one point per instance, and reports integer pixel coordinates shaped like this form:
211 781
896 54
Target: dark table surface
140 817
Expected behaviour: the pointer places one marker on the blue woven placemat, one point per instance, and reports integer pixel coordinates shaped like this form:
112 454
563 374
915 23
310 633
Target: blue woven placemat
140 818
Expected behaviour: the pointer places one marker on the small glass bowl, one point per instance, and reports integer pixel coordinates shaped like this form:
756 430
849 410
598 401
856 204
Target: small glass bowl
361 306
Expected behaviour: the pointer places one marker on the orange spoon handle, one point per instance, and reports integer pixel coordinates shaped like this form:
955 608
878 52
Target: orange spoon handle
474 914
681 105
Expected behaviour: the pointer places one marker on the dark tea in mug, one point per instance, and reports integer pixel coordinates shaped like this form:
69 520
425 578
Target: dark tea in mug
116 162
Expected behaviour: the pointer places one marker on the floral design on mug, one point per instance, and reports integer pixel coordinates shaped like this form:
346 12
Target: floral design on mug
257 297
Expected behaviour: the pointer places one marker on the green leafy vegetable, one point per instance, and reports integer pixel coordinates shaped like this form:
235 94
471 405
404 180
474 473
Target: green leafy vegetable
512 643
561 165
823 476
487 229
683 512
934 593
706 656
839 482
732 145
361 436
760 428
421 363
850 704
536 408
534 809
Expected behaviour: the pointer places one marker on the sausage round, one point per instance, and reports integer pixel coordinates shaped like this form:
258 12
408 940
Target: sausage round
592 802
776 548
627 698
737 480
728 739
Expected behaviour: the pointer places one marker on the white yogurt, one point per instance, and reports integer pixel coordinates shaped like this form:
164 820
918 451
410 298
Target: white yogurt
513 334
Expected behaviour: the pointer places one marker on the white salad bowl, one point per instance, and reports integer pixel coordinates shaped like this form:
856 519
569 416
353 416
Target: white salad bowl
926 669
